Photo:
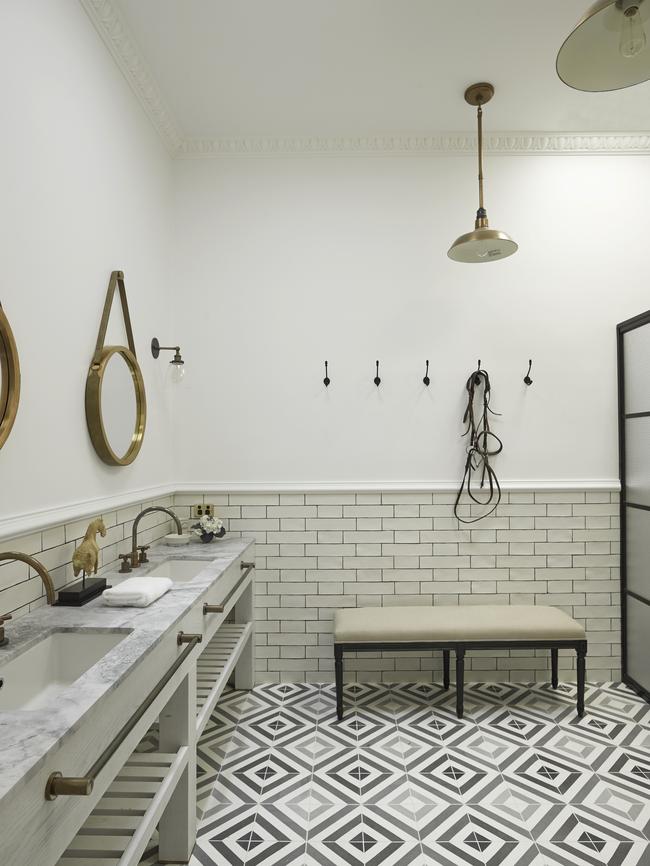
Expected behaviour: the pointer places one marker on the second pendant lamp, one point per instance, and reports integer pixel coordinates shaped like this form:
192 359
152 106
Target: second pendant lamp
483 244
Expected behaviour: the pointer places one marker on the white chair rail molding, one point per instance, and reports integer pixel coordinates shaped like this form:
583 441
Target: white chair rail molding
323 535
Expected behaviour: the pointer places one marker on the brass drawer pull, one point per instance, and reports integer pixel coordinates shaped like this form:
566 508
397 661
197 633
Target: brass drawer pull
212 608
184 637
83 785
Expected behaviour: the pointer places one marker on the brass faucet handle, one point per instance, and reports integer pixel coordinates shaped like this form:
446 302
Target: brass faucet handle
4 640
125 568
143 548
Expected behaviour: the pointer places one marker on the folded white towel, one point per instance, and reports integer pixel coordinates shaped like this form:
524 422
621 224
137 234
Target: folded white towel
137 591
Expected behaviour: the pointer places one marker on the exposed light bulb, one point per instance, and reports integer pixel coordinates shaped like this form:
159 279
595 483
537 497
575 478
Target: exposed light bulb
177 371
633 39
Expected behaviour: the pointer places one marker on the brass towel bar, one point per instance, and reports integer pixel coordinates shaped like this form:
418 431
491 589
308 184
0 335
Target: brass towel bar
219 608
82 786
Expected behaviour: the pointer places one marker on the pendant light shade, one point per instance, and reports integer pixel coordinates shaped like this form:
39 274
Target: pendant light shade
483 244
607 49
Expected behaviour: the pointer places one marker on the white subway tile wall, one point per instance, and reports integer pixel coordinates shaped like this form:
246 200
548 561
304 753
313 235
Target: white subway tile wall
21 589
321 551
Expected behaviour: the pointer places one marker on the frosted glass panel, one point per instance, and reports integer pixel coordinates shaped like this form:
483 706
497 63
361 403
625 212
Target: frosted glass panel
638 551
637 459
638 629
637 369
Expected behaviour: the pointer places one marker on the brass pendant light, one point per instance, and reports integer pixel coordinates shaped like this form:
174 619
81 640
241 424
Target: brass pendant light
607 49
483 244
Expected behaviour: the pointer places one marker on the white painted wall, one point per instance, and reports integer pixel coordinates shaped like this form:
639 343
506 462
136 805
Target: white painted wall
285 262
86 189
262 268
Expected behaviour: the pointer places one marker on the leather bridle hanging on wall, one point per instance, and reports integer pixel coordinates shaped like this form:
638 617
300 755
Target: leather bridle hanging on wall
478 450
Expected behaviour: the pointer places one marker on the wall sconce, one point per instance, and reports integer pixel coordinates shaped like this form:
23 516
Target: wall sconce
177 362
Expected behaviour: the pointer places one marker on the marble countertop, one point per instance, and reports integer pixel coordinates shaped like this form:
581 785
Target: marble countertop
27 737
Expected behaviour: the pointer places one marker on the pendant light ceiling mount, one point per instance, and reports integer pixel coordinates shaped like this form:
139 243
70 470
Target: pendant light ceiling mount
483 244
479 94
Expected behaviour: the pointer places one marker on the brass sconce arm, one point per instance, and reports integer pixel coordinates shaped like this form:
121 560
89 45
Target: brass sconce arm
156 349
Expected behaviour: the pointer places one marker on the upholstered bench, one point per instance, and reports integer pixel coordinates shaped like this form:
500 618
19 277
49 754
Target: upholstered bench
475 627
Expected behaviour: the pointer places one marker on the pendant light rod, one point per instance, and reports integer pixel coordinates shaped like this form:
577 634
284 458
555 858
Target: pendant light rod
479 113
478 95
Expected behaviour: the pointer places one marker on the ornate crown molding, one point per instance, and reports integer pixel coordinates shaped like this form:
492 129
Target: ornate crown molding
444 144
110 25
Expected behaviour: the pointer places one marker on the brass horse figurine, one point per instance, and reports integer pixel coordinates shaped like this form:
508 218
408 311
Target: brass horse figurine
86 556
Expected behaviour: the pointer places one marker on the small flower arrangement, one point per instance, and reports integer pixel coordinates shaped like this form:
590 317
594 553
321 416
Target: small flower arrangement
208 528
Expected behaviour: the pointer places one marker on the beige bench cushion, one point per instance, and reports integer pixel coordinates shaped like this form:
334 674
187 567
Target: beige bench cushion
472 623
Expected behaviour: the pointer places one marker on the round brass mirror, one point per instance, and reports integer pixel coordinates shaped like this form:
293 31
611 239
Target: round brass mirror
116 406
9 379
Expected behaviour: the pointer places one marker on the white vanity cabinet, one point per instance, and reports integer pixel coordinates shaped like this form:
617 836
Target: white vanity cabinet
147 771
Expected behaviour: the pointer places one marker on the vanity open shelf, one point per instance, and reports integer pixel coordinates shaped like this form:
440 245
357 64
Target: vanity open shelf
215 666
119 829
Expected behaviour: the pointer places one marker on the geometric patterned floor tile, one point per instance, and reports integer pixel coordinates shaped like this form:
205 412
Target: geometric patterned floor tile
468 837
514 724
575 748
628 770
363 836
431 728
358 778
472 852
520 781
395 749
549 777
582 837
454 777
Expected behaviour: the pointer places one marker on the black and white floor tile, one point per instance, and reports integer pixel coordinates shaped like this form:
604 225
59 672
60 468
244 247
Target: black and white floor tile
521 781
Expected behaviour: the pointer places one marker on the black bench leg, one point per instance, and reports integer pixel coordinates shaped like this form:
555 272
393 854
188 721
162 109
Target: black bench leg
581 664
445 668
460 681
554 667
338 671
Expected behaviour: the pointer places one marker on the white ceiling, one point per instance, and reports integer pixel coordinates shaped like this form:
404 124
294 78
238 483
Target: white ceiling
367 67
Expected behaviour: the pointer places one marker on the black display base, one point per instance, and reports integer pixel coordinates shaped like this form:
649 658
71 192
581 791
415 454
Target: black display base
78 594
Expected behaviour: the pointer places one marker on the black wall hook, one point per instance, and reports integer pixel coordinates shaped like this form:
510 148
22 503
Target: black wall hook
327 379
426 379
377 380
527 378
477 378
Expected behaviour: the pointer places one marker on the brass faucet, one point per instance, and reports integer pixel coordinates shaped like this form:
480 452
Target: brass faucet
42 572
137 560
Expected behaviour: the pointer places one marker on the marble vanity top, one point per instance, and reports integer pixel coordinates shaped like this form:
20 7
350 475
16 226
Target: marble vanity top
28 736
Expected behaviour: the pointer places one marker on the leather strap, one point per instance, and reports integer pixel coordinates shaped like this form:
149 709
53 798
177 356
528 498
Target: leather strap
483 444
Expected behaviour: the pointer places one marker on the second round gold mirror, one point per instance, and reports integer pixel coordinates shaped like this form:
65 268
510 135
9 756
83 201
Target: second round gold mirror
9 378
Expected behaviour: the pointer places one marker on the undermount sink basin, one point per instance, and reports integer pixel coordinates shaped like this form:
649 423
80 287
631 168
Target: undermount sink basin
35 677
178 570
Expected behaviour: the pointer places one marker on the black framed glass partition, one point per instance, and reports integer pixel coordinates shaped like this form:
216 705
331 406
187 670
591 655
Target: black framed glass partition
633 350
